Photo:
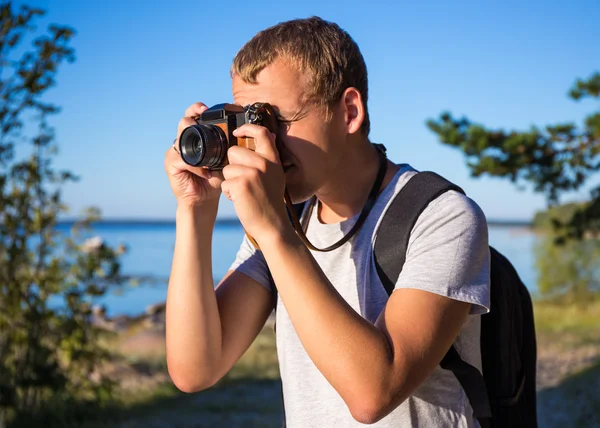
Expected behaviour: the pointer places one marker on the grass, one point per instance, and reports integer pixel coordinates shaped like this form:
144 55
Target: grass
260 361
568 329
567 325
249 395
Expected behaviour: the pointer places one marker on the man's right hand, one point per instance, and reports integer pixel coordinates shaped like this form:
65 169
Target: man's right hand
192 186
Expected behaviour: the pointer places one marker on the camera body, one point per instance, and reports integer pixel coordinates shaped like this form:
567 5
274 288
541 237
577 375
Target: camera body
206 143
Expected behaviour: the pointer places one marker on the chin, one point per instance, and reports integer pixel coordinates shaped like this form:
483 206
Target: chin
297 189
297 194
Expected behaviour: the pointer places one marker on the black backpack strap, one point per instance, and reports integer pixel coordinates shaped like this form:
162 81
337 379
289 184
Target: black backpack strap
395 228
390 248
473 384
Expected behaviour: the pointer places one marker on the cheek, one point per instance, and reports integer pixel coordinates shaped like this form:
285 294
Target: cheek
306 144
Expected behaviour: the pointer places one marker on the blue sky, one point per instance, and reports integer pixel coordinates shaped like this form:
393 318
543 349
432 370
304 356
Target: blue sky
140 64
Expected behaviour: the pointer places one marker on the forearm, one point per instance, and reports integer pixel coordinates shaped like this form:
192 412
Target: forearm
193 326
352 354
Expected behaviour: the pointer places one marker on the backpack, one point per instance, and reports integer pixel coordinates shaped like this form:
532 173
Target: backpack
505 395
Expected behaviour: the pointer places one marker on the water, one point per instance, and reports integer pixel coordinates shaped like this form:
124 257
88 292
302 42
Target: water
150 251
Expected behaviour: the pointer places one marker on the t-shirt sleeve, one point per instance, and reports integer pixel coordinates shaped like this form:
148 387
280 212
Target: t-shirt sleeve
252 263
448 252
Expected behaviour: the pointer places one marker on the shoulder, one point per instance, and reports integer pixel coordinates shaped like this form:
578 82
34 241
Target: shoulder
453 207
451 217
450 208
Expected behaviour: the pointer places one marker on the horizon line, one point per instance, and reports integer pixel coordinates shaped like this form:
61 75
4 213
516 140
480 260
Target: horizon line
235 220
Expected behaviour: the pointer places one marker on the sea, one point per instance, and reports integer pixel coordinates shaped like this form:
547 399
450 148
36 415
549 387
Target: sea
150 247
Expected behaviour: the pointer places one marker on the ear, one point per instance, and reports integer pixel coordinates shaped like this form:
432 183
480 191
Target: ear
353 109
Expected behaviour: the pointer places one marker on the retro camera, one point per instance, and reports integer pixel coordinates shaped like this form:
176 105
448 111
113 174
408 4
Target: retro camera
206 143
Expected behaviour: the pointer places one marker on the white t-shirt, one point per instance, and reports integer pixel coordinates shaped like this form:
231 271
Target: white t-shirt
447 254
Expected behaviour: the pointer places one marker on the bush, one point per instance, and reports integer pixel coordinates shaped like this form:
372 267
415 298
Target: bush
49 350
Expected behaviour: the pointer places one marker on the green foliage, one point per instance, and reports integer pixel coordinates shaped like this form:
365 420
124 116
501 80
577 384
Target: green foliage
568 273
49 350
555 159
566 326
547 219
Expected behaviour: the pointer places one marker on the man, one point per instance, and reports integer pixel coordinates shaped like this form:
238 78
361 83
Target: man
348 355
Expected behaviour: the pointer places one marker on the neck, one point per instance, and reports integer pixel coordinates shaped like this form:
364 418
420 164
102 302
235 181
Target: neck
348 191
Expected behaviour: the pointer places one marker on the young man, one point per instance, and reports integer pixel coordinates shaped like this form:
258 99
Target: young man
348 355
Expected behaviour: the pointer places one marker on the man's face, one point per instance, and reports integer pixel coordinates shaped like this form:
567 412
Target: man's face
308 144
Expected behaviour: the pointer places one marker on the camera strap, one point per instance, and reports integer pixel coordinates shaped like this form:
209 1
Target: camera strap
301 228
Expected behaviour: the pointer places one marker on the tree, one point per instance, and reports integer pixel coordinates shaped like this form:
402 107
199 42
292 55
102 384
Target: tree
49 349
556 159
569 273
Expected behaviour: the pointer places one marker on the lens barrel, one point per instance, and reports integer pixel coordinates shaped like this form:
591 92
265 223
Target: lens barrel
203 145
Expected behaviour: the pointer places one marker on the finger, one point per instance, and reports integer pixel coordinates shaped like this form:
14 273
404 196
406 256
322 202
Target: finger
184 123
242 156
233 187
226 188
263 138
232 171
195 110
175 169
173 160
174 165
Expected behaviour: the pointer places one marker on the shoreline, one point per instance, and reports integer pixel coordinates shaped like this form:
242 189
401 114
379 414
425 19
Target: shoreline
153 317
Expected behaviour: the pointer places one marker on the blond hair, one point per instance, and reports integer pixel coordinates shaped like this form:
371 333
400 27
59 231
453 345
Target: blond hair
326 54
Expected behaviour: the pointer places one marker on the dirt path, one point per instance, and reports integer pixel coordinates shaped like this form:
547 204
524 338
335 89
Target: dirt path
255 404
568 384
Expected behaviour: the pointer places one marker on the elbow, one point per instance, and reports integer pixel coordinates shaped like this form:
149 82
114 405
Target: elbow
188 385
375 403
368 413
371 408
190 381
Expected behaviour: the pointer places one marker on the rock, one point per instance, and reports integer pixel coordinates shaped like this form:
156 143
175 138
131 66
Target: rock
93 244
99 311
99 317
156 308
155 315
120 323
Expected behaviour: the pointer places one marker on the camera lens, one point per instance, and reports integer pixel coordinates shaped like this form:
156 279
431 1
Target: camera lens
203 145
